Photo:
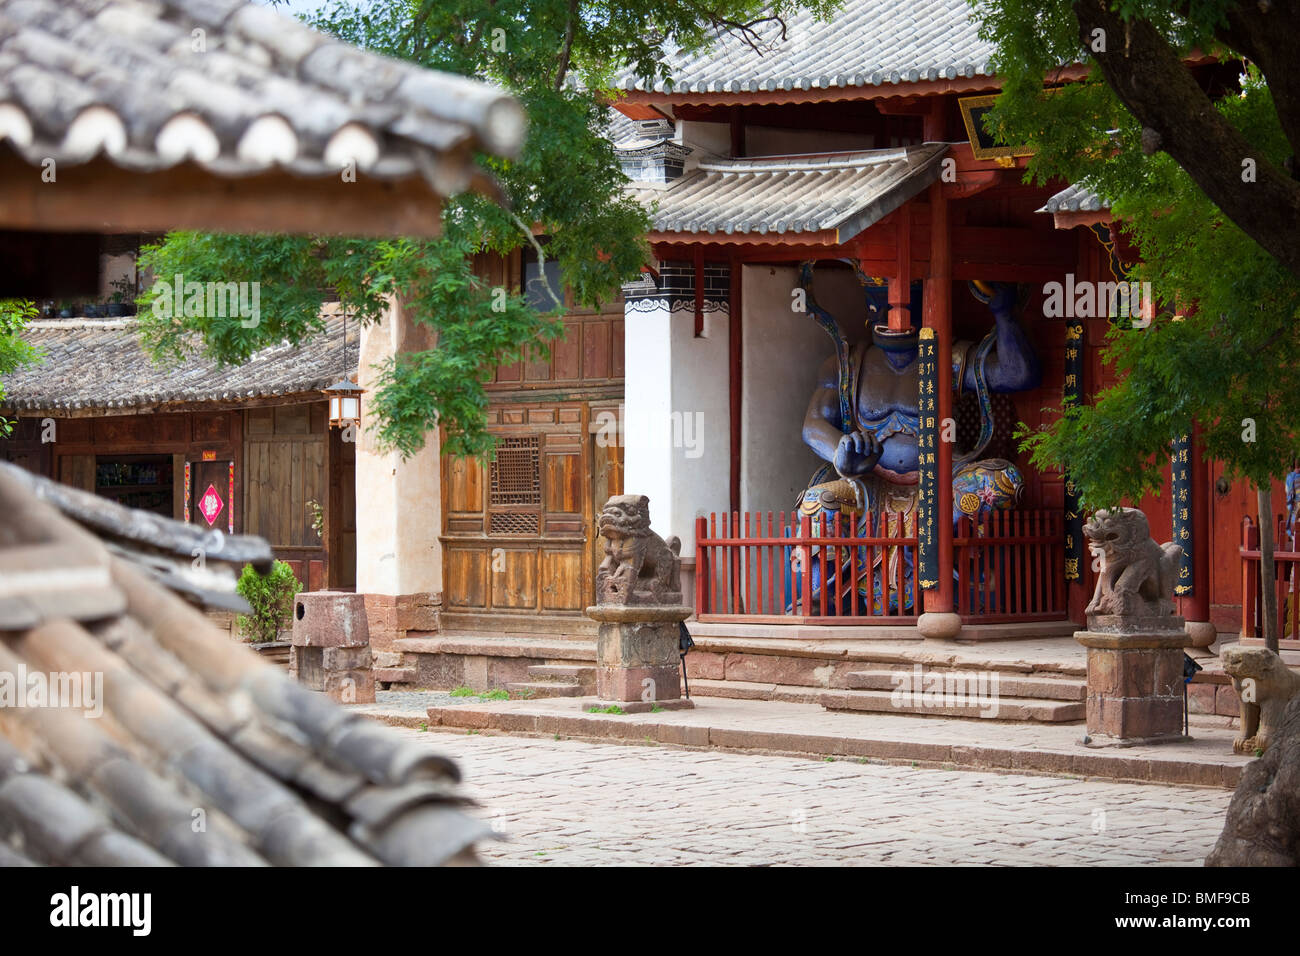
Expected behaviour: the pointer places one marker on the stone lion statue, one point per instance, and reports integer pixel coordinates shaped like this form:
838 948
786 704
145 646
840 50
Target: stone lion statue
1137 575
639 566
1264 685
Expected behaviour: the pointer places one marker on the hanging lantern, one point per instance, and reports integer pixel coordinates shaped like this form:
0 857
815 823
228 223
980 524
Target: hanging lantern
345 403
345 395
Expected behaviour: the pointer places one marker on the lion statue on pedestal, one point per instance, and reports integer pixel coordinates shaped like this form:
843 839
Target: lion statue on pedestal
639 566
1137 575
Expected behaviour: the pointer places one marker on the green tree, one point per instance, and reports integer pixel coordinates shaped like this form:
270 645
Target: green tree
15 314
1224 351
558 58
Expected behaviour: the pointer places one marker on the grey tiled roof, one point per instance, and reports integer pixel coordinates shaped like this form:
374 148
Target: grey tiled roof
236 87
620 129
90 364
1075 199
864 43
846 192
160 547
203 754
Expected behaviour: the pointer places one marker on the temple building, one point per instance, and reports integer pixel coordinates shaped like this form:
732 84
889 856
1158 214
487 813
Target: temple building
827 209
853 300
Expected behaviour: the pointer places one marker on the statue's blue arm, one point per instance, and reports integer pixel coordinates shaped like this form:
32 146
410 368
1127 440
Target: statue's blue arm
1012 366
853 455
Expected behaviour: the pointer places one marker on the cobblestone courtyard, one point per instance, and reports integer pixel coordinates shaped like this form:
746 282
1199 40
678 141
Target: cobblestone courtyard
572 803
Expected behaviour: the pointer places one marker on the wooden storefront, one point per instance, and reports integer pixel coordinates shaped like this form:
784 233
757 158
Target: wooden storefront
236 471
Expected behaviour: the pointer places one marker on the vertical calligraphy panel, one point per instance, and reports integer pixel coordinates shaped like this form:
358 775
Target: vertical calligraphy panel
1071 390
927 463
1182 500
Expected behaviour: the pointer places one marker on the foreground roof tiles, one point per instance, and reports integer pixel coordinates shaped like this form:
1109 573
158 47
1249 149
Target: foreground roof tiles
864 43
1075 199
100 365
161 548
840 192
235 87
202 753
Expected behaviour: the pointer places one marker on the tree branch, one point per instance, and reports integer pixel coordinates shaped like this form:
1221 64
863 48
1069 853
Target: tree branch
1149 77
1265 34
565 51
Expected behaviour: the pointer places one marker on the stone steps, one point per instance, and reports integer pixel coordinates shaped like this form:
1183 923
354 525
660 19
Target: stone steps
556 680
394 675
577 673
1035 686
274 652
535 690
955 705
1038 710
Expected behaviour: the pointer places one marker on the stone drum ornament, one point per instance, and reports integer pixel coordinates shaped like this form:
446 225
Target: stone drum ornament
639 609
1135 640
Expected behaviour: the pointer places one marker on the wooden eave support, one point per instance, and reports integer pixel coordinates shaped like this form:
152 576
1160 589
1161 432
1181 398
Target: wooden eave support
1068 220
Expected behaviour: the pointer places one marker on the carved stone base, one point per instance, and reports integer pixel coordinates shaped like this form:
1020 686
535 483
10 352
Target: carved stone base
939 625
1135 686
637 652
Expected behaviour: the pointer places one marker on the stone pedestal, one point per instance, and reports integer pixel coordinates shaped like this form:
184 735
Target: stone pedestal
637 655
1135 679
331 646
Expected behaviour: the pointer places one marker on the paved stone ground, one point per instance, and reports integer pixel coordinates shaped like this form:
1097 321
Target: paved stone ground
572 803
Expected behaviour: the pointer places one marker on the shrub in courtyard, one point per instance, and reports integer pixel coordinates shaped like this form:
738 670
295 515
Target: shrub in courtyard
271 598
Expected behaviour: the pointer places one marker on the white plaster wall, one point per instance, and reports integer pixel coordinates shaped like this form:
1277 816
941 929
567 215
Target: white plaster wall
712 138
399 503
782 351
677 442
702 397
648 402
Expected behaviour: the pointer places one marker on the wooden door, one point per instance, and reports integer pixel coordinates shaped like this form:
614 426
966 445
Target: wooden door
210 494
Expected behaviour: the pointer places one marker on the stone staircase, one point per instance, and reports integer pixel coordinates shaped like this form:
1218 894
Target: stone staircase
556 680
1039 681
992 690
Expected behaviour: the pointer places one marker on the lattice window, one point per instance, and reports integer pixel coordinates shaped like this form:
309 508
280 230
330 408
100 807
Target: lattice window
508 522
516 473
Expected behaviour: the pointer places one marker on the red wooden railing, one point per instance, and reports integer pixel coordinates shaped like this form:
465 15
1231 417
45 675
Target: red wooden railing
1011 567
750 568
1286 582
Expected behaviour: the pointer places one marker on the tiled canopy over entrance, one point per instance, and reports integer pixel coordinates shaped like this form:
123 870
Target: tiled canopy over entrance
838 195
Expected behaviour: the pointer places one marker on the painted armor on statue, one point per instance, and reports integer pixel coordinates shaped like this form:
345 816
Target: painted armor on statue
862 421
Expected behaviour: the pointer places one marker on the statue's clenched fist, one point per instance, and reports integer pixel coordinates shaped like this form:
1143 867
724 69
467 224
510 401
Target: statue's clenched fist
857 453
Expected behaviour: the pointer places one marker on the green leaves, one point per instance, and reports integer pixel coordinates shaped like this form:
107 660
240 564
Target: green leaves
1229 360
15 314
271 598
558 57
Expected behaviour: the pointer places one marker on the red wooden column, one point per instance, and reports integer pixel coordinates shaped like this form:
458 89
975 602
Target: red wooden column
1196 607
900 286
939 619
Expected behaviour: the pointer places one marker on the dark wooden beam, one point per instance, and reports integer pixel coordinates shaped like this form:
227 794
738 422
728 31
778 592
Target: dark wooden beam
99 196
